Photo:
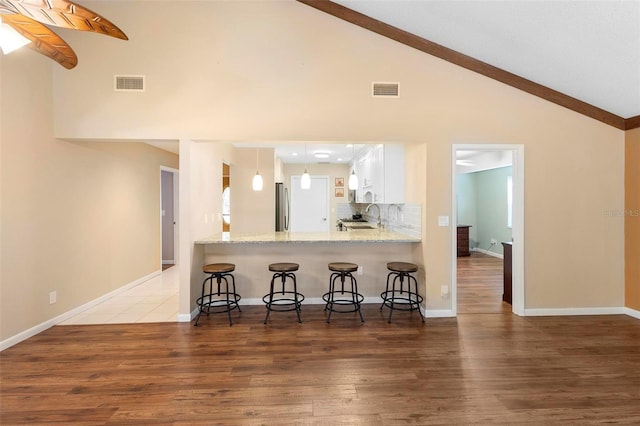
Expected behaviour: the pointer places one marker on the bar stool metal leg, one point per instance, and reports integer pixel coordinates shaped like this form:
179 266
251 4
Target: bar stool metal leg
295 296
282 299
216 299
270 297
417 296
343 299
354 295
398 297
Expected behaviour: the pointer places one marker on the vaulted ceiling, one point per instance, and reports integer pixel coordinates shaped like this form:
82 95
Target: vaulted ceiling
584 55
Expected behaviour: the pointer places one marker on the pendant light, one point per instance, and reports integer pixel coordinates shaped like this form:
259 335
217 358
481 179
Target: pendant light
305 180
257 179
353 179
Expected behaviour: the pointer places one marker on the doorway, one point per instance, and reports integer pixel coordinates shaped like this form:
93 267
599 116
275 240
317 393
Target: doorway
310 207
168 216
497 180
226 197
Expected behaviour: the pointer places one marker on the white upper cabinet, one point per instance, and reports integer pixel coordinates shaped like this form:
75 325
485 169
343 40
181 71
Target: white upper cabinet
380 171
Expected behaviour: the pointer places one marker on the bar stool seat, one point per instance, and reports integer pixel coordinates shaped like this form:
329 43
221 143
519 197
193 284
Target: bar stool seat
400 298
402 267
283 299
217 301
218 268
342 300
284 267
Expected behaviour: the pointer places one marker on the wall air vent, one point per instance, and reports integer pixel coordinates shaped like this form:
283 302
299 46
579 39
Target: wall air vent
129 83
386 90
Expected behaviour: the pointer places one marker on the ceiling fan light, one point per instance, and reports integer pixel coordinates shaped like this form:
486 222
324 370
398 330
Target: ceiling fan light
305 180
353 181
10 39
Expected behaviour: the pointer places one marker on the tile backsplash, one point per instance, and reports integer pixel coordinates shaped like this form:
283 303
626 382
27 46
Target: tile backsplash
402 218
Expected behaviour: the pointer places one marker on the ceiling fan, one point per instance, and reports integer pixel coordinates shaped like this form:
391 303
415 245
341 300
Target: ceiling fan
28 17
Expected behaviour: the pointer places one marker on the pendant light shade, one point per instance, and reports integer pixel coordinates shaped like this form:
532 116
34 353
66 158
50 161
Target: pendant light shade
257 182
353 178
305 180
11 39
353 181
257 179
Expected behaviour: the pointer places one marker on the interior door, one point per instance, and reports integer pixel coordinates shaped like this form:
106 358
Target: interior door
310 207
168 220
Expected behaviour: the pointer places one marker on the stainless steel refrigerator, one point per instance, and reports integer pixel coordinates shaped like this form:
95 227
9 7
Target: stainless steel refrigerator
282 208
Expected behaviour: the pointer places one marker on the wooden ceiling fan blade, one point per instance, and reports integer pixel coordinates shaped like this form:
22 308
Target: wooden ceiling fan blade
43 40
65 14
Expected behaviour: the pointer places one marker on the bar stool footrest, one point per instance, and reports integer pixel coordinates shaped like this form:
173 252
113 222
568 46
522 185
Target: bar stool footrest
346 299
291 302
401 303
207 304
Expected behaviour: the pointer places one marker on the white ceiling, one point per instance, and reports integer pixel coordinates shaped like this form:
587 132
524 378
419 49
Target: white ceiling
589 50
294 153
475 161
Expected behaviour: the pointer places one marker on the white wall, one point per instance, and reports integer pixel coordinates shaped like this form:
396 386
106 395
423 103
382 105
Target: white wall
78 218
252 211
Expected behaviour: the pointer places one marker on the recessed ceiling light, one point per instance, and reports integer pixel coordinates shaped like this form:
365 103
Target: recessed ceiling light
348 145
321 155
339 159
295 154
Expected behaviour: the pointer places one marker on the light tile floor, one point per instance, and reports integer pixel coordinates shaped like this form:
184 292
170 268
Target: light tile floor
155 300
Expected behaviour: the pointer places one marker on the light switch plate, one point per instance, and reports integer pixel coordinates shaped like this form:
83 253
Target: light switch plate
443 220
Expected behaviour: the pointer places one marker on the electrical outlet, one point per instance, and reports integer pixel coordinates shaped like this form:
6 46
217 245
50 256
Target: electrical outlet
360 270
444 291
53 297
494 241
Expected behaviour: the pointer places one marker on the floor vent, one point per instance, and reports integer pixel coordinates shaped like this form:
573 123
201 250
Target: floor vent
386 90
129 83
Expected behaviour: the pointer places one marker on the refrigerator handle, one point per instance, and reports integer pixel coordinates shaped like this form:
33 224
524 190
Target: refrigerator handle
286 216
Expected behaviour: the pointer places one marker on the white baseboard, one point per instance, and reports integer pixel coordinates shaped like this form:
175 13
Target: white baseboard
632 312
487 252
438 313
573 311
188 317
13 340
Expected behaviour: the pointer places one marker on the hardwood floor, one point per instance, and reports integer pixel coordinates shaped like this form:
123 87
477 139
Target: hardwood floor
480 285
476 369
492 368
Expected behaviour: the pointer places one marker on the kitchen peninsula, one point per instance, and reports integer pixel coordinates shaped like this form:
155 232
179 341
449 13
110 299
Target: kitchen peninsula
252 253
359 236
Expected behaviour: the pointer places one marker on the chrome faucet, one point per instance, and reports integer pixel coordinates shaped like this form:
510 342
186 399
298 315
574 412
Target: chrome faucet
379 222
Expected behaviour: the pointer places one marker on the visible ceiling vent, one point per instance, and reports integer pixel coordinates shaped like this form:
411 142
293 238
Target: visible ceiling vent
129 83
386 90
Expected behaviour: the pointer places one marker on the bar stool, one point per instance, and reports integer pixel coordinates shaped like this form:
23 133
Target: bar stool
342 300
401 299
283 300
218 301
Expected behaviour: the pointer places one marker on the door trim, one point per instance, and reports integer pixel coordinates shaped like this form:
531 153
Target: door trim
176 219
517 230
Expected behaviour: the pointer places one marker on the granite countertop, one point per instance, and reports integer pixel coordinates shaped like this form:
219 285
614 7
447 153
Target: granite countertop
355 236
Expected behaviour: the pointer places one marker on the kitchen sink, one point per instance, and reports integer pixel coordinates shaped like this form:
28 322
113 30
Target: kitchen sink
361 227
